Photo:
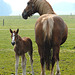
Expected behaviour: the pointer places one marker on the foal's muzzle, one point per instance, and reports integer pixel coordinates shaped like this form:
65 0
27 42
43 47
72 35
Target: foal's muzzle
13 43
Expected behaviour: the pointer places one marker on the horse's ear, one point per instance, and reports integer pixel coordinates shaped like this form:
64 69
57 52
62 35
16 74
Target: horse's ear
31 0
17 31
11 31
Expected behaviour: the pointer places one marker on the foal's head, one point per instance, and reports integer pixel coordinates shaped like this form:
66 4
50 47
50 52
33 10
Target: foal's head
29 10
14 36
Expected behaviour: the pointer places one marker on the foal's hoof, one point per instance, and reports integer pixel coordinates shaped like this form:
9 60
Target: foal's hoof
33 73
57 73
42 73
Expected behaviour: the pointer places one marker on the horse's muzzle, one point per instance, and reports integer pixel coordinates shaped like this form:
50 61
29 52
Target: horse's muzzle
24 15
13 43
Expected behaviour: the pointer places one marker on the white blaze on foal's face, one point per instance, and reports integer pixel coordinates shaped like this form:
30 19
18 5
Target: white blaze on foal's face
13 39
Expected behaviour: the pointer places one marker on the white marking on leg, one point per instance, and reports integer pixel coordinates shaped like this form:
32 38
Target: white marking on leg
58 69
32 66
52 72
16 64
24 65
43 70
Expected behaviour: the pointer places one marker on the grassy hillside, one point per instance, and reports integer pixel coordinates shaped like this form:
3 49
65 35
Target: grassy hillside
7 54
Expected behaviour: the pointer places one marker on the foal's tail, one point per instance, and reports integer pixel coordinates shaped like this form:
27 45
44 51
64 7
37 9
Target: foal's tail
31 49
47 28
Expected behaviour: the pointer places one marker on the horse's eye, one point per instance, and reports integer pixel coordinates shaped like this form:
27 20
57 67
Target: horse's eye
28 3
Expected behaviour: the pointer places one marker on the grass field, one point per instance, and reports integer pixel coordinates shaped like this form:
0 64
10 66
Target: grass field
7 54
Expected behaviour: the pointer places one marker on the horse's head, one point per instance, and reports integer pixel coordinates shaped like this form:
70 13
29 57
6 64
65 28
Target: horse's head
14 36
29 10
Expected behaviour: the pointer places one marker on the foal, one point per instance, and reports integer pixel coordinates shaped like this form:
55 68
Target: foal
22 46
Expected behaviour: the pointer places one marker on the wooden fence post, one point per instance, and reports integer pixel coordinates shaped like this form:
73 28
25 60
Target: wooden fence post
3 22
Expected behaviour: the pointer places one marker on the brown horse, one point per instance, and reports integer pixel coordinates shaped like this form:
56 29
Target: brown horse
22 46
50 33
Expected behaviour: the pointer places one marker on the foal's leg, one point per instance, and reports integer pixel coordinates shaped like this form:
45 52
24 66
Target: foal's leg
31 61
52 71
16 64
24 64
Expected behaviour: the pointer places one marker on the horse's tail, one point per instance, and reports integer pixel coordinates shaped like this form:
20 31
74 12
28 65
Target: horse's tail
47 28
48 23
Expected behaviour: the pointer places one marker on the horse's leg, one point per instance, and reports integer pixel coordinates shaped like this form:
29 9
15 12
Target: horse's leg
42 66
24 64
16 64
58 69
31 61
53 62
42 60
55 58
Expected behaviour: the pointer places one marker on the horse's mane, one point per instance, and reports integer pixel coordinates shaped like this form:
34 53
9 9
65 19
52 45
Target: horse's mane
44 7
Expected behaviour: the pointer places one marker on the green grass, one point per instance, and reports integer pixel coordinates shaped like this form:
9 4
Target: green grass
7 54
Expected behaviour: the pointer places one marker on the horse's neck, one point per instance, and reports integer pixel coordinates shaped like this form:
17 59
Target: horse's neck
43 7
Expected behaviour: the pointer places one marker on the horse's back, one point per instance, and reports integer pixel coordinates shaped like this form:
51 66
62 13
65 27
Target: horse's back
56 25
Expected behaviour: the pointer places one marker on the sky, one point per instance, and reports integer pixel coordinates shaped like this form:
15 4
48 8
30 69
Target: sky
17 6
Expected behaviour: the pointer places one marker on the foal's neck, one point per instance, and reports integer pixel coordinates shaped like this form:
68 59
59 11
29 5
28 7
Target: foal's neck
19 40
43 7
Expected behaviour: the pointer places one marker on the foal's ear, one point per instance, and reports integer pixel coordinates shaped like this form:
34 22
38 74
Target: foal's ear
11 31
17 31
